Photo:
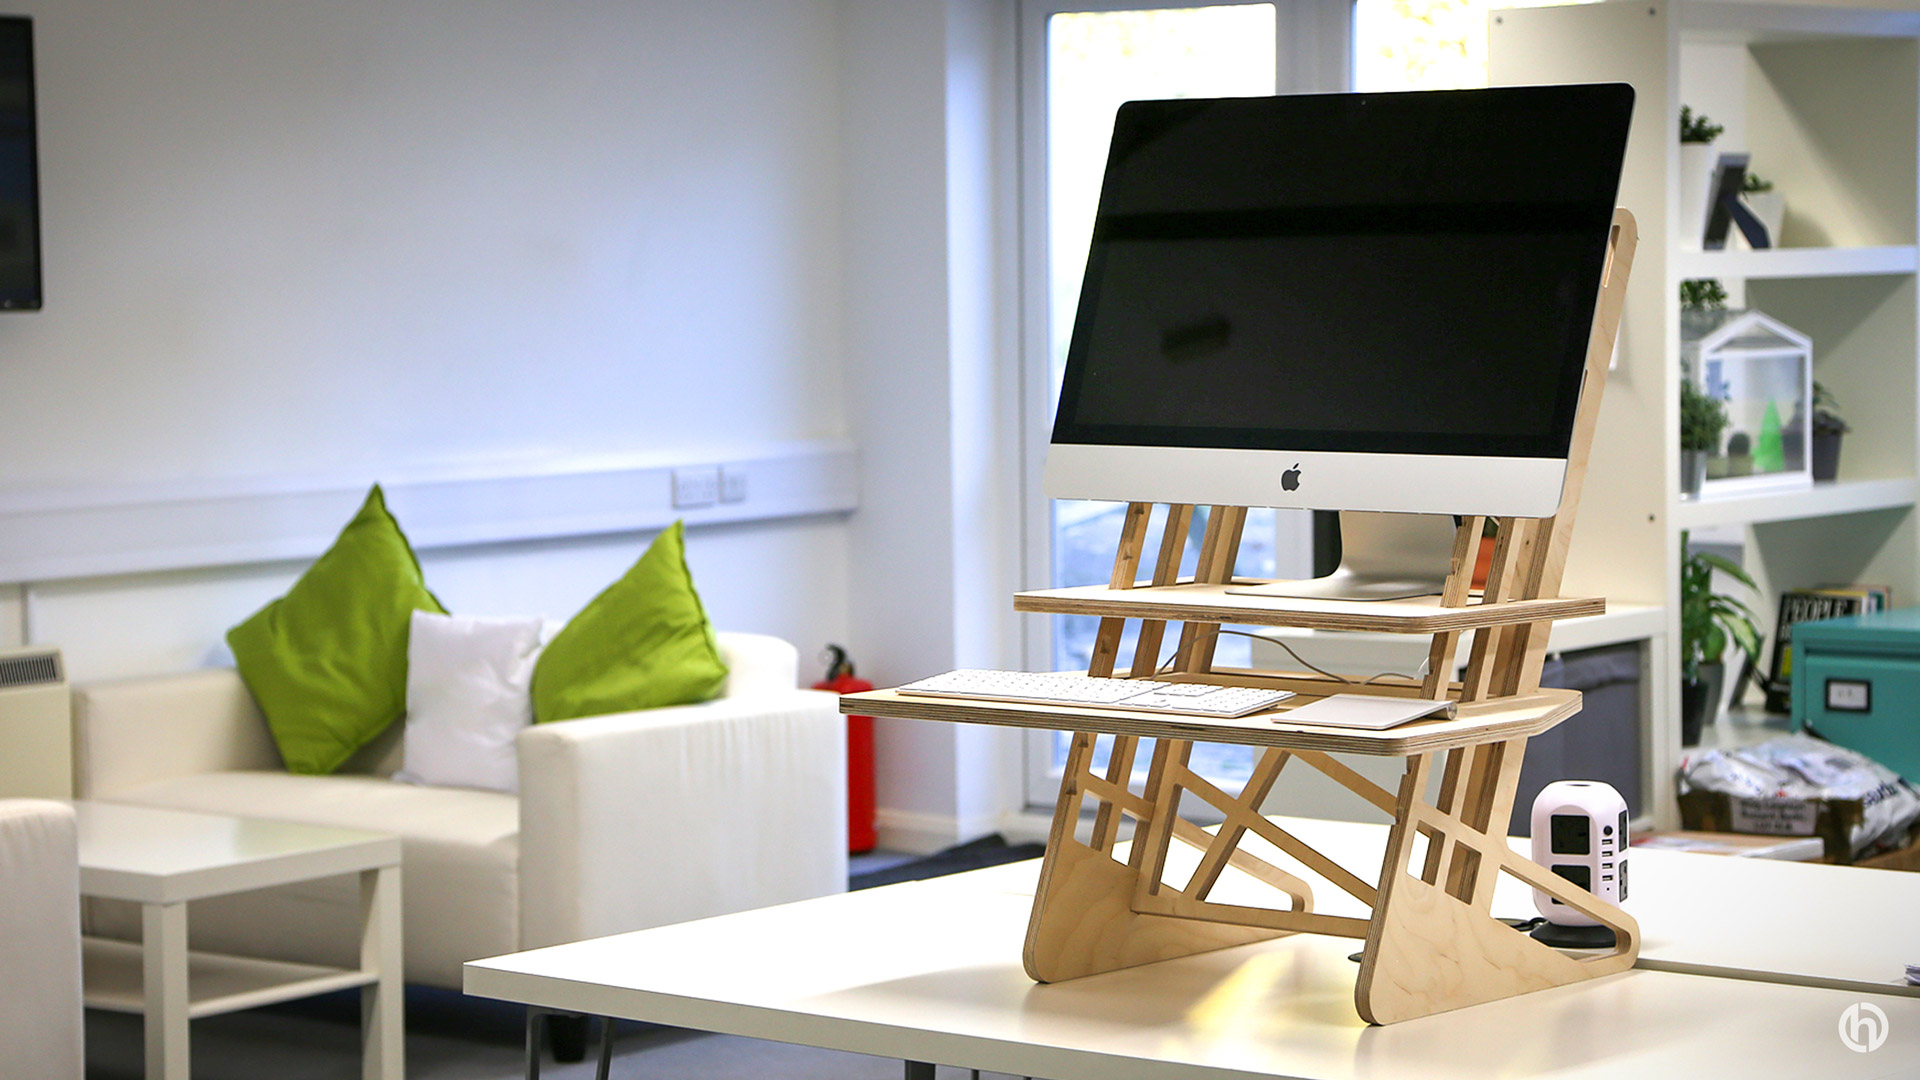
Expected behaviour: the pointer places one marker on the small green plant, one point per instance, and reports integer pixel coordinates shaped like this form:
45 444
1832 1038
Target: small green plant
1826 412
1702 418
1709 620
1702 294
1696 128
1755 184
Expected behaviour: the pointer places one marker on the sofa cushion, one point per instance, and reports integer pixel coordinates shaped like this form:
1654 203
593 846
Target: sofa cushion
328 661
459 877
643 643
467 699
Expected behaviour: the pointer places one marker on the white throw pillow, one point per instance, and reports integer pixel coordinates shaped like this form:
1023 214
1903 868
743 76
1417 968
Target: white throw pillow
468 682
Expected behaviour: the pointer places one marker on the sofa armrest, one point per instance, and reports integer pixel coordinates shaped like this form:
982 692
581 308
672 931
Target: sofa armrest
40 1027
131 732
757 663
647 818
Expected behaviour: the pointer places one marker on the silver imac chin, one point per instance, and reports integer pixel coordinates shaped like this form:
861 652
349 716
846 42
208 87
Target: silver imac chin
1307 480
1396 528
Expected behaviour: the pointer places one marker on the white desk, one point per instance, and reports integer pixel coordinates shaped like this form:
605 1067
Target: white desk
1807 924
930 972
161 859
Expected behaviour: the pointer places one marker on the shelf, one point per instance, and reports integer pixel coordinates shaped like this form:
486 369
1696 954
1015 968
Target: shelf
1821 500
1809 262
1350 653
1495 720
1213 603
1746 22
1741 725
216 983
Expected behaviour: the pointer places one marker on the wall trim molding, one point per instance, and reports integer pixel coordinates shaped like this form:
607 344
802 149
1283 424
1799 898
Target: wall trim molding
921 833
78 532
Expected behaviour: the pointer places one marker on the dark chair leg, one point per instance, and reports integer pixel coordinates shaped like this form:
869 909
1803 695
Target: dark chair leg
567 1036
534 1028
606 1049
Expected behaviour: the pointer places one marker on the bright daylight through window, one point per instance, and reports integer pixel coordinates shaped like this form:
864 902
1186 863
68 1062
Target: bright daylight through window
1094 61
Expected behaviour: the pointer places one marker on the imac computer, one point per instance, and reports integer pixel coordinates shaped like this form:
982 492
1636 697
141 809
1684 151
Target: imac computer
1354 302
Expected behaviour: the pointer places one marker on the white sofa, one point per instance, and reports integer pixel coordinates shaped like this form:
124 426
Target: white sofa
622 822
40 1020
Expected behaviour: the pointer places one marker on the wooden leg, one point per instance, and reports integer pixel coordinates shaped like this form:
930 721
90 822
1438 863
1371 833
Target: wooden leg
383 1032
163 946
1085 918
1432 947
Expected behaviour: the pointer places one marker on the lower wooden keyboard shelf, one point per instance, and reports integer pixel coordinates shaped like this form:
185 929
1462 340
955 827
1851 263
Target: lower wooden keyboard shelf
1481 722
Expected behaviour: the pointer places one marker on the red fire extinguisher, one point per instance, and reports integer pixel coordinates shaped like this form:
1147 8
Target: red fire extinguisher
860 831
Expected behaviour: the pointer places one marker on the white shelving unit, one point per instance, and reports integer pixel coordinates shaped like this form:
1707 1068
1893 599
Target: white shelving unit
1827 101
1797 262
1822 500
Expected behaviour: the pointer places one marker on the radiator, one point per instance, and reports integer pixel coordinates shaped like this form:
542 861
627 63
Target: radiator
36 726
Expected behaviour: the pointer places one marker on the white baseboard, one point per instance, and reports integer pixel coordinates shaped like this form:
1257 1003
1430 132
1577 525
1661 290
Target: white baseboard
50 535
924 834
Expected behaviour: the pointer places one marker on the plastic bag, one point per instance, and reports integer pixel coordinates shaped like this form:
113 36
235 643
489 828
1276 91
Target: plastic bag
1805 768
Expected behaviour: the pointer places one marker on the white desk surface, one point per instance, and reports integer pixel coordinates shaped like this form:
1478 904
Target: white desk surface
930 971
166 856
1803 923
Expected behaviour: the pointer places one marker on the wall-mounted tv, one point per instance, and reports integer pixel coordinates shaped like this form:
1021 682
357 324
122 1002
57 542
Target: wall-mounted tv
19 170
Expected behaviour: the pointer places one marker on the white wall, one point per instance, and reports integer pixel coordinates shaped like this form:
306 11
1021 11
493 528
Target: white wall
930 295
362 239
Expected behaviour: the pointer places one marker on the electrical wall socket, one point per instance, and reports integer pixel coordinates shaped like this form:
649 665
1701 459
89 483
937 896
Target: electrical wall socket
733 484
696 486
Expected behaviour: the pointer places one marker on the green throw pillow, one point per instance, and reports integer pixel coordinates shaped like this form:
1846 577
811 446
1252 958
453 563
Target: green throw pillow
643 643
328 661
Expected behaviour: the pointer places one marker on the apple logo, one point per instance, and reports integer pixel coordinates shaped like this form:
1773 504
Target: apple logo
1290 480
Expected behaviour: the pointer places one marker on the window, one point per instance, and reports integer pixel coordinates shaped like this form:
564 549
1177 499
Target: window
1425 44
1079 62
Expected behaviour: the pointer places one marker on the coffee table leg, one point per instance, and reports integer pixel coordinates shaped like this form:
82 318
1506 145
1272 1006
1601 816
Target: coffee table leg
163 946
383 1003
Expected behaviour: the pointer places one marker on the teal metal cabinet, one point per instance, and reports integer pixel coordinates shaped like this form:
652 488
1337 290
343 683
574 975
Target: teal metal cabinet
1856 683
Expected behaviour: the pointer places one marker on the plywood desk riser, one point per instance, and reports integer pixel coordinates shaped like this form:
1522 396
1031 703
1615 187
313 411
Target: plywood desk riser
931 972
1430 944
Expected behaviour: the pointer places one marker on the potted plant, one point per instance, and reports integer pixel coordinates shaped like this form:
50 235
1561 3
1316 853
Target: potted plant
1827 429
1696 173
1703 306
1708 622
1702 420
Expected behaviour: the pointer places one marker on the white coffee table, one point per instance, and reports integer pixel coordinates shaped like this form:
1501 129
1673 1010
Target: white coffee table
162 859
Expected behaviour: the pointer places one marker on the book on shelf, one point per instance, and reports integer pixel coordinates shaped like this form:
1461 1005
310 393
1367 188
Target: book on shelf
1810 605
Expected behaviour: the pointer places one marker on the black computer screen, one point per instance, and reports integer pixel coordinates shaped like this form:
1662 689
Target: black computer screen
1378 273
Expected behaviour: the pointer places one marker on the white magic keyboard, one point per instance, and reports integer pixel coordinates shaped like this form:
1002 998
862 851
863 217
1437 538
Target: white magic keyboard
1068 688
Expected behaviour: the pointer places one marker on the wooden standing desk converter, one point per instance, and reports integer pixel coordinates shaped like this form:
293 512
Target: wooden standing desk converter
1430 942
932 971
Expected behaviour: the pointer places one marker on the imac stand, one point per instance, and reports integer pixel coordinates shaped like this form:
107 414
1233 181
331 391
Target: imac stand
1382 557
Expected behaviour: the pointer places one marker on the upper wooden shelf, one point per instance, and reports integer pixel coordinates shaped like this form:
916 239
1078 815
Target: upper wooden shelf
1808 262
1212 603
1495 720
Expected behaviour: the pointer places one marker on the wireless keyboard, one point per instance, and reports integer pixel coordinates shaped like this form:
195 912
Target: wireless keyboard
1067 688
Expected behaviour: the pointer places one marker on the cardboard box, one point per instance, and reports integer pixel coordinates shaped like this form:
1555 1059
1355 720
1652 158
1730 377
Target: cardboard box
1832 820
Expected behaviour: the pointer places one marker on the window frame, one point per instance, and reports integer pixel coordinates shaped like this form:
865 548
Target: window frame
1313 52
